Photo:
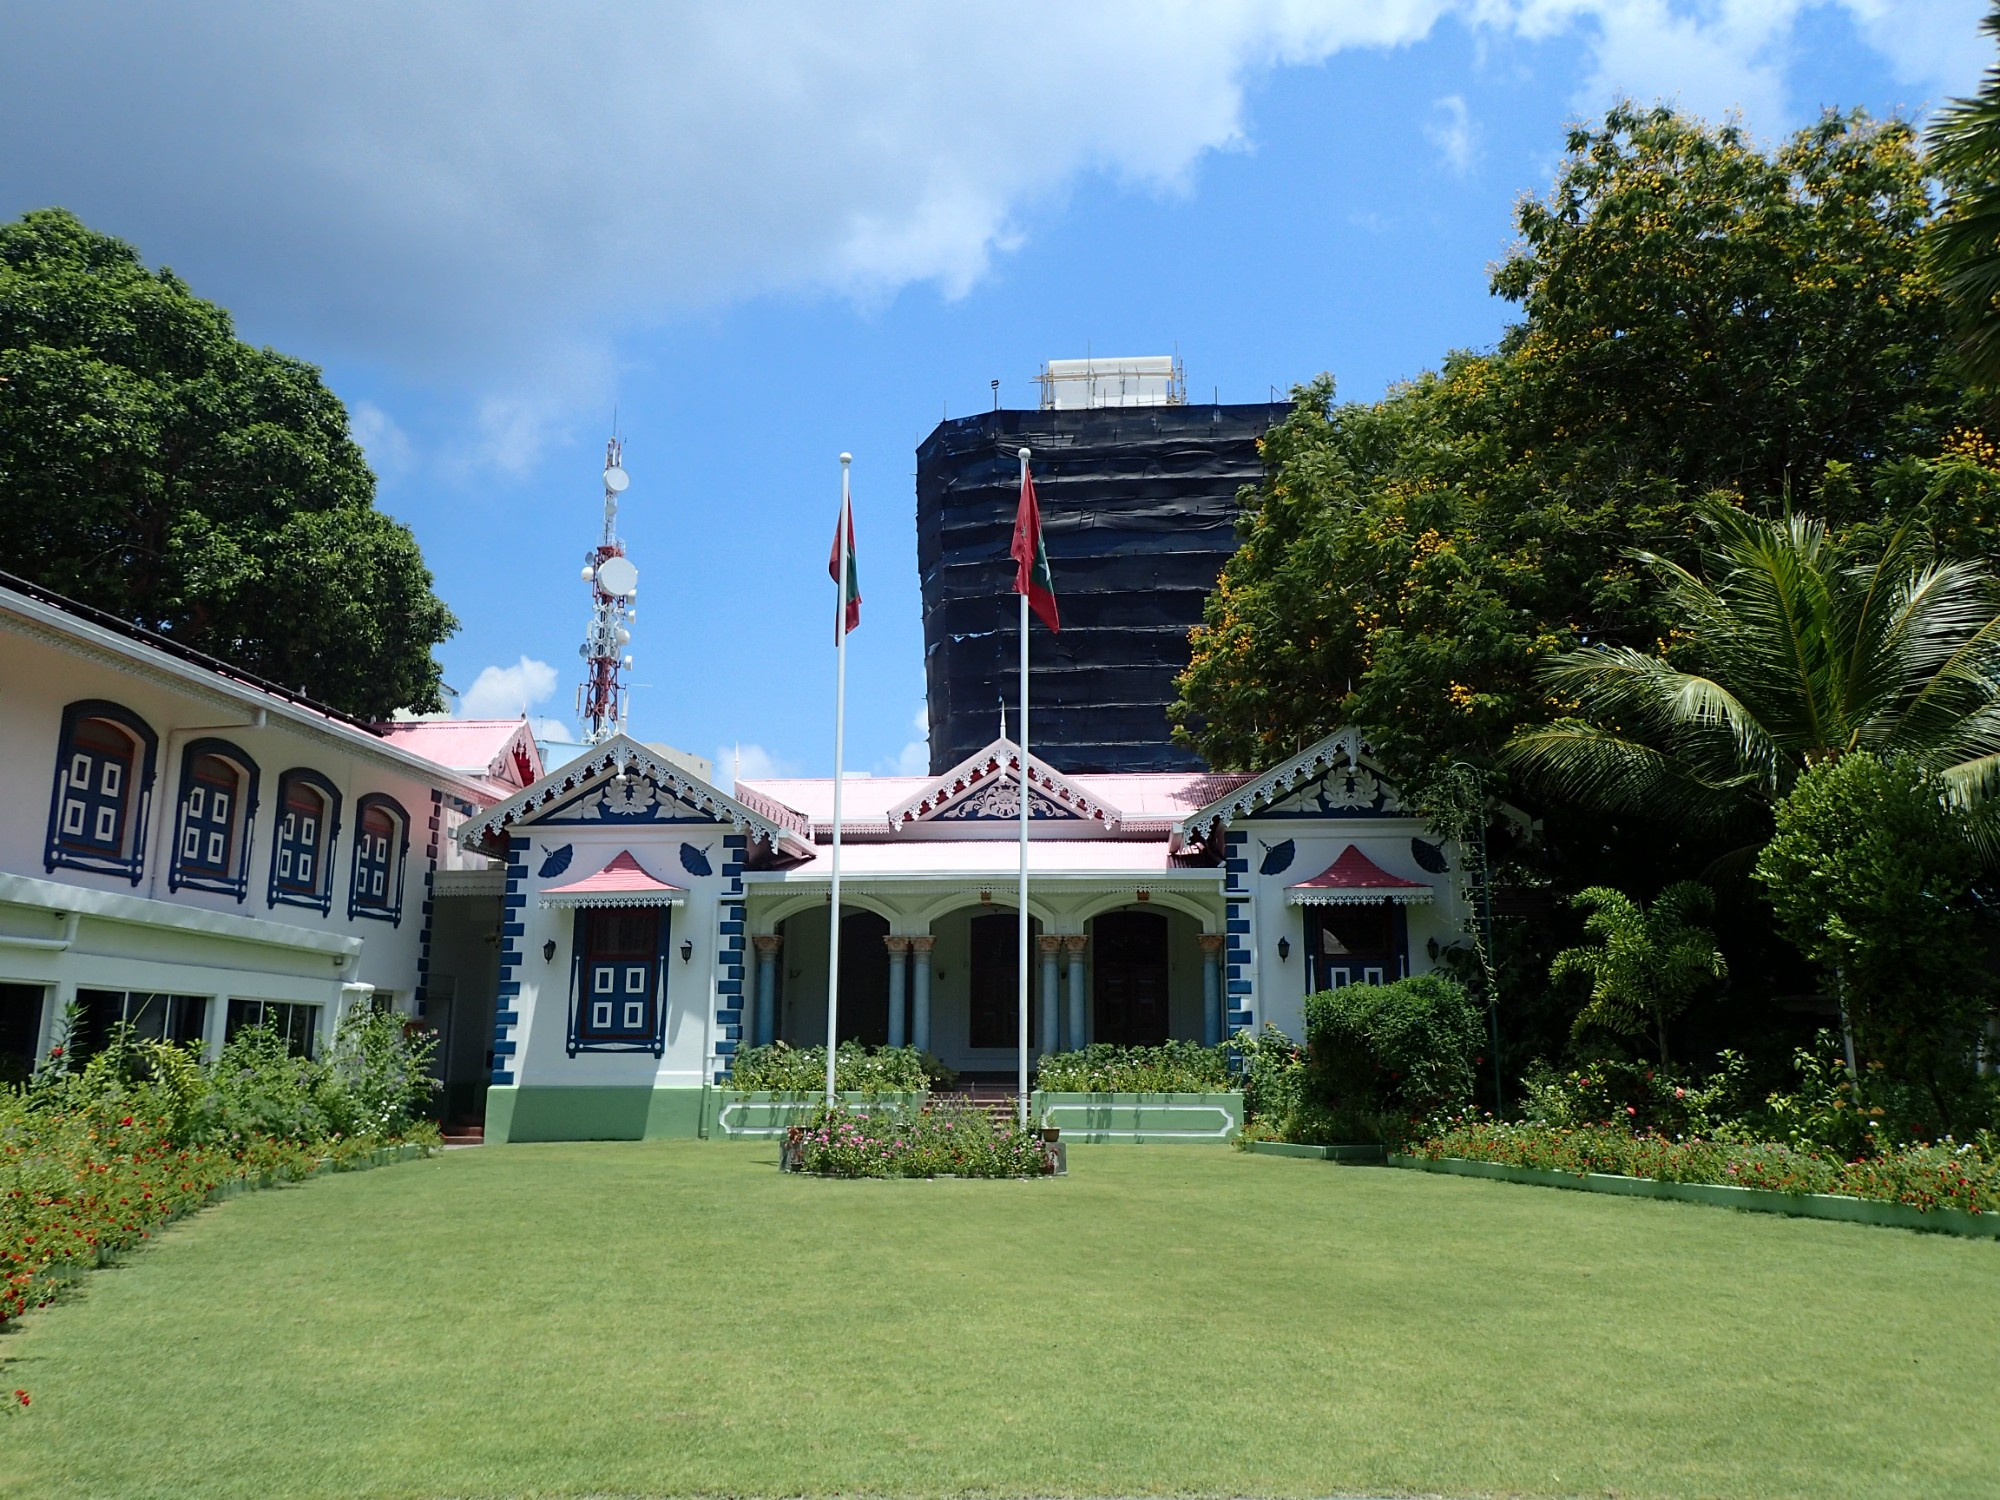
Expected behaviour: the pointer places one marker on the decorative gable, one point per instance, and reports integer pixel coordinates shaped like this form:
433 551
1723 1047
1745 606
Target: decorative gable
986 787
622 784
1332 779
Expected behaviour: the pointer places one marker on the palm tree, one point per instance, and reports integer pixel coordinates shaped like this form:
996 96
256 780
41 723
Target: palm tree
1965 239
1647 962
1808 647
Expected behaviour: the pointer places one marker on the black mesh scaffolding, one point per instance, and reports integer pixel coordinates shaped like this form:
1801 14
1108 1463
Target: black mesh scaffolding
1138 513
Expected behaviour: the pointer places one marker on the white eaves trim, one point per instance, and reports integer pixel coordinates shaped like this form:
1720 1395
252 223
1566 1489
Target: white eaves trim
59 900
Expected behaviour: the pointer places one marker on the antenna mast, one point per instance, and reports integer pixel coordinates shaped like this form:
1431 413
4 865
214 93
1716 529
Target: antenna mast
600 700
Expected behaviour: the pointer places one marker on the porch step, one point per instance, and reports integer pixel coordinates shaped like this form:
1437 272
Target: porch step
465 1135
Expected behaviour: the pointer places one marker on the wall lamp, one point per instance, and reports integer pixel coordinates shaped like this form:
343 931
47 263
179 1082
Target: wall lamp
1284 949
549 951
687 949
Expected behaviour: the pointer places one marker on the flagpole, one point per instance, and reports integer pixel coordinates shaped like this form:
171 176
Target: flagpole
1022 923
839 742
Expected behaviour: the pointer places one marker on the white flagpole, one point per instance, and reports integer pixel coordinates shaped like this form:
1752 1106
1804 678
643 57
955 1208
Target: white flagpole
1022 922
839 742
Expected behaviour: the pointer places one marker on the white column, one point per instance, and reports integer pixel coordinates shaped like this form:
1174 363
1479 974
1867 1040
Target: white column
1211 987
1051 995
763 1029
899 964
1079 1021
920 998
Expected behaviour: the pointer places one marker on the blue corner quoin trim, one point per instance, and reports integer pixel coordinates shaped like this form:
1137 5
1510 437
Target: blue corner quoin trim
505 1019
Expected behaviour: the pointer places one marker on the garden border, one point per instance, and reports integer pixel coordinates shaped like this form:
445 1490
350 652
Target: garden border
1831 1206
1140 1119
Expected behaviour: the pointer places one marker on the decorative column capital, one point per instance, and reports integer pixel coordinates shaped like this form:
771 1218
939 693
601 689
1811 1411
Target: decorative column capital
895 942
1075 943
922 944
1211 943
768 943
1051 945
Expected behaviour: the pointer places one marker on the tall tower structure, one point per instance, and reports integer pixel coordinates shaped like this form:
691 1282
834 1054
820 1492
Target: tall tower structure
1138 498
600 698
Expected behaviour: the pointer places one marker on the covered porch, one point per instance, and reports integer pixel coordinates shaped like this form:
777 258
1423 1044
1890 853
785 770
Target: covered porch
934 963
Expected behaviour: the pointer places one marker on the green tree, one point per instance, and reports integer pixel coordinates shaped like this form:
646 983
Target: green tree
159 468
1796 648
1869 874
1965 241
1647 963
1696 315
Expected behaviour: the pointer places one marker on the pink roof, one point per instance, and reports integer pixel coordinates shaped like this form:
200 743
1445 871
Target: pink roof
620 883
475 745
997 859
1356 875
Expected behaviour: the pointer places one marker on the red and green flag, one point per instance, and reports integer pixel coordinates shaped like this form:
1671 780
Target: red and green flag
850 588
1031 558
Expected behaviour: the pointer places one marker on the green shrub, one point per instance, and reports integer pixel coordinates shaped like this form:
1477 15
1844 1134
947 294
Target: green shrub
1640 1096
784 1069
378 1074
1380 1058
1170 1068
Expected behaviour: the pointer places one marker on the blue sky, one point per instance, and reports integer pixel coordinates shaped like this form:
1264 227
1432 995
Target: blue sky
765 234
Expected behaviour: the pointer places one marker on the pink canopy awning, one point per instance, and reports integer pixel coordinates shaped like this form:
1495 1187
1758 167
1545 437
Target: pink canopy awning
620 883
1353 880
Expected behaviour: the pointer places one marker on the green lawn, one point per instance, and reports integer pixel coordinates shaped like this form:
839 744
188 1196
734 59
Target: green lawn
677 1318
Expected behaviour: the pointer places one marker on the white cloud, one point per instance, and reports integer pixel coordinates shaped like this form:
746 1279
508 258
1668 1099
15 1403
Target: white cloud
483 197
554 730
506 692
749 763
914 759
1450 130
386 445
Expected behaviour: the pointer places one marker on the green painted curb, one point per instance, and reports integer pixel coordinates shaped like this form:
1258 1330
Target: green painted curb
1140 1119
1718 1195
1353 1155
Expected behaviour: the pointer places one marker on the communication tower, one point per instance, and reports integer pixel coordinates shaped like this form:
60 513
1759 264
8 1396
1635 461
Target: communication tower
600 700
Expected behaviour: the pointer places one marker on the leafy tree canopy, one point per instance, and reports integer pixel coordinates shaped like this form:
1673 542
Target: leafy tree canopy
159 468
1697 316
1965 241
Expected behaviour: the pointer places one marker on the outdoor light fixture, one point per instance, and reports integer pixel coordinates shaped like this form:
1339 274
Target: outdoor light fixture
1284 949
687 949
549 951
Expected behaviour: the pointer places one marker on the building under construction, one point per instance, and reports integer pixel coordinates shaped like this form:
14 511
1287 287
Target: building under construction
1138 493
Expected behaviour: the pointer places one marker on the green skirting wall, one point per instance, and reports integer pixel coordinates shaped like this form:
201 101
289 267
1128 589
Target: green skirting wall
530 1113
744 1116
1140 1119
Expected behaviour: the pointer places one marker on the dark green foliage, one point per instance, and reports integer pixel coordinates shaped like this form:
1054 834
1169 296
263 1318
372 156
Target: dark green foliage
1382 1057
1171 1068
1697 315
159 468
1870 875
1645 963
781 1068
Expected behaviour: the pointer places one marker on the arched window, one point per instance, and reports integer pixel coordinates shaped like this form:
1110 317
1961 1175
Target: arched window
218 803
381 839
104 784
302 852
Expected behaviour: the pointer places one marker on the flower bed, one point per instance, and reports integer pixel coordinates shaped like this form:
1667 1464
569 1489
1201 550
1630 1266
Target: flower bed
1949 1174
784 1069
74 1192
946 1138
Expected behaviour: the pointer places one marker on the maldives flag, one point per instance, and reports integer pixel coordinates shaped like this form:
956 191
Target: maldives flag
1031 558
850 590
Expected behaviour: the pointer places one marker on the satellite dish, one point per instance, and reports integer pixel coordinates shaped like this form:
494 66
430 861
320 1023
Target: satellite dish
615 480
616 575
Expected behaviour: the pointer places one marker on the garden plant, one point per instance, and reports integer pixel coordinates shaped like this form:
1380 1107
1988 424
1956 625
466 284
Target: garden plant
945 1138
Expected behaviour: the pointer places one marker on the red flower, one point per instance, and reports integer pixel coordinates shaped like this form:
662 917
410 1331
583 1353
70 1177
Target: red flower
126 1121
22 1397
1630 1110
55 1052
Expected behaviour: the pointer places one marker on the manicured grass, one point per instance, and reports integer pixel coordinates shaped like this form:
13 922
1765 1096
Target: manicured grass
677 1318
